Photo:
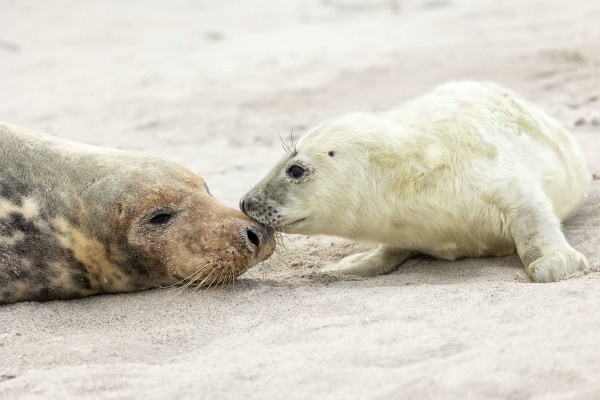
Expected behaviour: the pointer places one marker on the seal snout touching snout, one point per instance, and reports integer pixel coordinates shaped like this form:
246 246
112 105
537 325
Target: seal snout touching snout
259 238
253 236
251 205
78 220
467 170
259 232
263 209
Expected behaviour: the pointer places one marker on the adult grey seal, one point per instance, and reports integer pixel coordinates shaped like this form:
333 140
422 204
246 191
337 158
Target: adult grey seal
78 220
467 170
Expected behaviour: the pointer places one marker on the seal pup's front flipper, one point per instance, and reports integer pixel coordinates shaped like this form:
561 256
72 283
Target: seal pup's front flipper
383 260
542 246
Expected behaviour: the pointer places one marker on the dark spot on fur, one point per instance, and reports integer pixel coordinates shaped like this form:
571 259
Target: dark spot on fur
17 222
29 260
14 191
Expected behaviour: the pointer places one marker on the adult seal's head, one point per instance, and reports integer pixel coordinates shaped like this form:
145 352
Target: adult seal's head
77 220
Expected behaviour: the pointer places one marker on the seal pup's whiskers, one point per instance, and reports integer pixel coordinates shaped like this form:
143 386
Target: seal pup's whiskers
285 146
292 138
288 148
279 240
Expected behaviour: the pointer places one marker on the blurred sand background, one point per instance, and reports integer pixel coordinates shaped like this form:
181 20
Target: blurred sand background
211 84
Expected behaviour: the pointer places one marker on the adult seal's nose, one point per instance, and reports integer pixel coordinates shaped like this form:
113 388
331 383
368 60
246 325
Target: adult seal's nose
253 236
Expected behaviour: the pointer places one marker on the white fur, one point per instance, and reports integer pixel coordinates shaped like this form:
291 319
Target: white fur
466 170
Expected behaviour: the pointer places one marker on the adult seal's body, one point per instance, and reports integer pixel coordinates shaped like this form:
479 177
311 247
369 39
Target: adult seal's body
467 170
77 220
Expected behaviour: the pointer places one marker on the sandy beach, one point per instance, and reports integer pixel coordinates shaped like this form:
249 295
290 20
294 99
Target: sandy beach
212 85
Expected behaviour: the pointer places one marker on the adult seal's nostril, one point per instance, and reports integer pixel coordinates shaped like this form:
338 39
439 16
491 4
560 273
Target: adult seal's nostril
253 237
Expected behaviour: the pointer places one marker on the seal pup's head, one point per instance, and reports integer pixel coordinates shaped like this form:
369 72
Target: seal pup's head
323 184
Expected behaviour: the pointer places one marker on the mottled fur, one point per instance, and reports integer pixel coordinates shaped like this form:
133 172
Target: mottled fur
74 221
466 170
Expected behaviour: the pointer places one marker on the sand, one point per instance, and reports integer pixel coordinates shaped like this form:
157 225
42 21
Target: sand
211 84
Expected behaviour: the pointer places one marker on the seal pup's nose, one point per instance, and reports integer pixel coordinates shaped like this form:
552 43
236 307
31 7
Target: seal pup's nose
247 204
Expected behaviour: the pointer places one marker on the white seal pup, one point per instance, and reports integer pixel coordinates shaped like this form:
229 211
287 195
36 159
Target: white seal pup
467 170
77 220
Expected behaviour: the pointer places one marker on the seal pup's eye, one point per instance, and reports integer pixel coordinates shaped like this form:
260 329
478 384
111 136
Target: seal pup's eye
330 154
160 218
295 172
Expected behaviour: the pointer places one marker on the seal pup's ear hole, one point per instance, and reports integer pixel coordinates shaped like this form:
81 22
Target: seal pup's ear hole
330 154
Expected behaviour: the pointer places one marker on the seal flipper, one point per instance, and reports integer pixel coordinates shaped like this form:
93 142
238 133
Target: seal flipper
541 244
383 260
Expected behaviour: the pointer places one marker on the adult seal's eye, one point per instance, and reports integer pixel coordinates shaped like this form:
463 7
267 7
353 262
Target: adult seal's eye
160 219
296 172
